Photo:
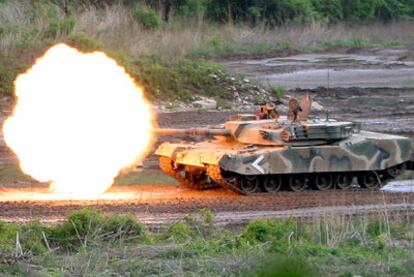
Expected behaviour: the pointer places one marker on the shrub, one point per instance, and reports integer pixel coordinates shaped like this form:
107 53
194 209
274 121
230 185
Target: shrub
263 230
179 232
192 8
146 17
279 12
88 227
277 91
331 10
31 238
123 226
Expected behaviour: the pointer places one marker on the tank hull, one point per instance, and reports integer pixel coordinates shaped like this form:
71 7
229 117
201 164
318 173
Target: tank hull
229 164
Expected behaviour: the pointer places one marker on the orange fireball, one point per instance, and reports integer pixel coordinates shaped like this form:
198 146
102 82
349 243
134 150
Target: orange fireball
79 119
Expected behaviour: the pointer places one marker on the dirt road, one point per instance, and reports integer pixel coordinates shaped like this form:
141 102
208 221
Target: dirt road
161 204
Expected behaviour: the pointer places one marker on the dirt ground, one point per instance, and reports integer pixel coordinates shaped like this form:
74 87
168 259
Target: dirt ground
162 204
374 104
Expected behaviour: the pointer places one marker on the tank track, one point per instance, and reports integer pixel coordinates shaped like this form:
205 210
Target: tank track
214 172
375 181
296 182
198 182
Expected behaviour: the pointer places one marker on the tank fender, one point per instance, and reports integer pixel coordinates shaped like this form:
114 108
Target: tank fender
168 150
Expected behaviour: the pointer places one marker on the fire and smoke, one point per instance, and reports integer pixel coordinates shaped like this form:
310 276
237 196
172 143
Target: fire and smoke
79 119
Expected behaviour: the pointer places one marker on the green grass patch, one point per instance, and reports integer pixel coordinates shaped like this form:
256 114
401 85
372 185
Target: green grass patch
218 46
181 80
146 176
360 43
90 241
12 173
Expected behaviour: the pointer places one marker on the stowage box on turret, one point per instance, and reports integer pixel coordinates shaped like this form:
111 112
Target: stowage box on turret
266 152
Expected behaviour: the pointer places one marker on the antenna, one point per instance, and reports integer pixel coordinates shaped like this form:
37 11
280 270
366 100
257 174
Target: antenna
329 81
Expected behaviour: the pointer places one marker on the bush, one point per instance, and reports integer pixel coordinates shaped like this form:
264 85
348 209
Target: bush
263 230
146 17
123 227
179 232
192 8
88 227
331 10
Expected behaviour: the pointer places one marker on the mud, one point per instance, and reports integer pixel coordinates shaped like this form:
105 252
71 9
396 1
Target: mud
374 87
161 204
386 69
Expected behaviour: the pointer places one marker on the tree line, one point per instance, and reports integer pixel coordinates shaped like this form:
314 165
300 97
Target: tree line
269 12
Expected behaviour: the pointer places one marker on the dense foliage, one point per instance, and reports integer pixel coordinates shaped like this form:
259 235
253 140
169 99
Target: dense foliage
271 12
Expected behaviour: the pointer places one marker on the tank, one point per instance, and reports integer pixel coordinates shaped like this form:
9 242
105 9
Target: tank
265 153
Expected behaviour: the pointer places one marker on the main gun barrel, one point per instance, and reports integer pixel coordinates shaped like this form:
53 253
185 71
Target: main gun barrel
192 132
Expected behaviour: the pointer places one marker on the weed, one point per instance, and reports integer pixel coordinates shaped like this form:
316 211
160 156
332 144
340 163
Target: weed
179 232
349 43
102 244
267 230
83 42
223 104
286 266
59 27
219 46
207 215
277 91
123 227
178 80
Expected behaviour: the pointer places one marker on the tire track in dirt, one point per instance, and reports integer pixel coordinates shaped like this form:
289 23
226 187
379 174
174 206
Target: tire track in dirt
162 204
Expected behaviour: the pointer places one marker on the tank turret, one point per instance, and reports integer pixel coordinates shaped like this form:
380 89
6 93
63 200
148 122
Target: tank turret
265 152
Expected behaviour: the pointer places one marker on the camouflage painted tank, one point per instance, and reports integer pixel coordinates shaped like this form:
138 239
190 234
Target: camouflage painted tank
265 153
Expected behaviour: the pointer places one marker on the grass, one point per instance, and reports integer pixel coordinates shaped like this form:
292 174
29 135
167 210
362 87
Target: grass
89 243
147 176
11 173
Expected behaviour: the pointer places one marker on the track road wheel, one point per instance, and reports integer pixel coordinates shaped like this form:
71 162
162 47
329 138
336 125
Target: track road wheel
369 180
167 165
323 182
395 171
249 184
272 184
344 181
297 183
